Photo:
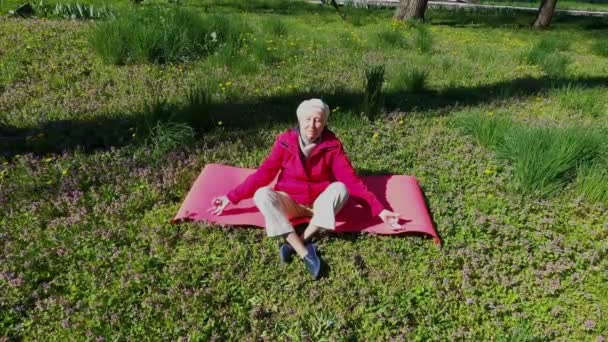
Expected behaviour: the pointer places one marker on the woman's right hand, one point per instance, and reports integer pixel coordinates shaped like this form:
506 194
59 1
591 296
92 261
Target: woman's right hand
218 205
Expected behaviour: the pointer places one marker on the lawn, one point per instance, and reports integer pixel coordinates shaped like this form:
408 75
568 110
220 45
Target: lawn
598 5
503 125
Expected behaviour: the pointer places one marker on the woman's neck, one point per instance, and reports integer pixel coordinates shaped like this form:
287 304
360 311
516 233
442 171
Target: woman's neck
306 141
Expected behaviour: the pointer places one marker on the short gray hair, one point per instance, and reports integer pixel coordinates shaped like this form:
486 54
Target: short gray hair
312 106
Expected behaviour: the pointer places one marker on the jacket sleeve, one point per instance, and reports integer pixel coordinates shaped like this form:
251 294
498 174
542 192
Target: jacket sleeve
261 177
344 172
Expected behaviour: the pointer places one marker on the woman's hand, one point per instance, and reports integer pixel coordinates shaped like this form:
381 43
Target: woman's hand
218 205
391 218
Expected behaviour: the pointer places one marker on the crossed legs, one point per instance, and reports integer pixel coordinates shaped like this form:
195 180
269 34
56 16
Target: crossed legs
278 208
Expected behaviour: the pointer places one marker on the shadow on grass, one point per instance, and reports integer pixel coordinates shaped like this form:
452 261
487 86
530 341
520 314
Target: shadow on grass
265 6
117 130
483 17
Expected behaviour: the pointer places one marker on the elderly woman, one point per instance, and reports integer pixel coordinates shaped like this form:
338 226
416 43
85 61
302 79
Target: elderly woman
315 180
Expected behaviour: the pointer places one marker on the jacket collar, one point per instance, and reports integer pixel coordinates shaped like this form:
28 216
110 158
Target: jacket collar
327 140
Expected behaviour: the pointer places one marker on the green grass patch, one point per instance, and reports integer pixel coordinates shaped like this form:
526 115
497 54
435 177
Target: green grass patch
409 78
581 101
10 71
373 98
277 27
545 158
390 38
592 183
166 136
154 35
67 10
547 54
600 47
268 52
91 172
488 129
422 40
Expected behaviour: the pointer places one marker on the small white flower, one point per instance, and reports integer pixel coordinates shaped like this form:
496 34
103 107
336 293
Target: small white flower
213 36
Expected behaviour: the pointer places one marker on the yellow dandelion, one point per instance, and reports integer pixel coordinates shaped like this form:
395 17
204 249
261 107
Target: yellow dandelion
401 122
376 135
46 160
219 123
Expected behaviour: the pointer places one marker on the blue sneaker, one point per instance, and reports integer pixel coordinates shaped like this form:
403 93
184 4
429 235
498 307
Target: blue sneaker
286 252
312 261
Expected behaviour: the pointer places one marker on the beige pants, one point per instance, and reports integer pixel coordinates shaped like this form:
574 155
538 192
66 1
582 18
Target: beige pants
278 208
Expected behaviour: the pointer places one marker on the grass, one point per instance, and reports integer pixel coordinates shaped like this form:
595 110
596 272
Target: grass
600 47
95 159
199 105
75 10
165 137
159 36
547 54
562 5
391 38
580 101
423 40
373 99
277 27
591 183
488 131
544 159
409 78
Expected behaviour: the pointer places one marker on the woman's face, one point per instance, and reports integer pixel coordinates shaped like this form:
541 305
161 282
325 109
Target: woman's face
312 125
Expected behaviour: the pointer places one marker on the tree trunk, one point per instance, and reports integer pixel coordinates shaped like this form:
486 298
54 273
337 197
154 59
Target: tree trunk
545 13
412 9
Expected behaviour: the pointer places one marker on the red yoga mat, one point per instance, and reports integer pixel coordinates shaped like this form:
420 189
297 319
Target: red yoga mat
401 194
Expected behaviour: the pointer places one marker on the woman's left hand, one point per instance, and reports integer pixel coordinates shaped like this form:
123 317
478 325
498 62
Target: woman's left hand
392 219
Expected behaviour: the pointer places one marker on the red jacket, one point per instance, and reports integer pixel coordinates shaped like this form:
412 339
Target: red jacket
304 179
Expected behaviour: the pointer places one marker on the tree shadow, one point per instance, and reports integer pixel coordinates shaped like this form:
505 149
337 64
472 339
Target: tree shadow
266 6
117 130
505 17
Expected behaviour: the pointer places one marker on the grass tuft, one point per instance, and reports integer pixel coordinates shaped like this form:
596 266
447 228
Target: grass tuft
277 27
390 38
409 78
199 101
592 183
67 10
545 158
167 136
162 36
268 53
423 40
357 17
548 56
373 98
600 47
582 101
487 129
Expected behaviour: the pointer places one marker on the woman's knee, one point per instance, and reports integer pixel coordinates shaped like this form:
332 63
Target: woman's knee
339 188
264 195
